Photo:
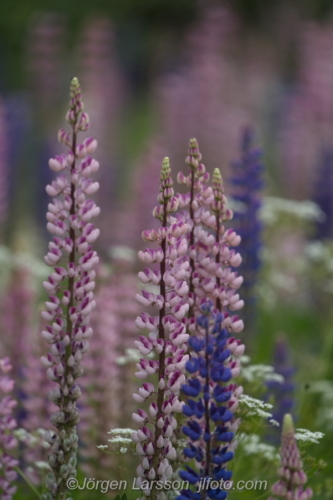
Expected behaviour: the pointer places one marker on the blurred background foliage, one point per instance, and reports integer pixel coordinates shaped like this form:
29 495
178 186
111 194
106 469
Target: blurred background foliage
139 25
153 74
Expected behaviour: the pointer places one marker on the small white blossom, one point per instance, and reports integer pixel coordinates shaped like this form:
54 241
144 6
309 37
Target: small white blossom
261 373
122 252
272 207
29 439
120 439
42 465
253 402
252 445
121 431
256 407
131 356
307 436
245 359
318 252
237 206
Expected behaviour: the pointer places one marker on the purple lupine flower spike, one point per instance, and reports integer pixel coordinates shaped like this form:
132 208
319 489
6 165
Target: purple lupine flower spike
7 440
248 182
70 287
167 338
209 407
290 486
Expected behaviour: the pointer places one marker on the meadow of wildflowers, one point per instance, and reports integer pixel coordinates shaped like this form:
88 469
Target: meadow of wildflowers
166 266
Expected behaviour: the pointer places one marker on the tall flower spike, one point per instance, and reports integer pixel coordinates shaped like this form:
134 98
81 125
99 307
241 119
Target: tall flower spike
7 440
167 339
247 181
70 288
210 406
195 181
215 277
292 477
225 239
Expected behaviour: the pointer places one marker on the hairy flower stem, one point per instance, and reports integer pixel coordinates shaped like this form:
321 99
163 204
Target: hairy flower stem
217 260
67 427
72 254
161 335
180 418
221 213
191 286
194 180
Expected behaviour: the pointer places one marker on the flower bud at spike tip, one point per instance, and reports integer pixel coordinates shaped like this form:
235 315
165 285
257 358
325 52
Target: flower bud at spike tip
292 477
288 424
166 170
217 177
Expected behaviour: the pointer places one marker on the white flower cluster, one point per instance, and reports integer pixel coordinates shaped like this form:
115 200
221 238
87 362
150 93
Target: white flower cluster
32 440
259 373
273 207
131 356
320 253
122 252
122 436
125 432
252 445
307 436
10 261
256 407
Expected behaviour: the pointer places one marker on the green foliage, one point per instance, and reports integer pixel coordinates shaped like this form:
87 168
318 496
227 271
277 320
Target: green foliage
121 497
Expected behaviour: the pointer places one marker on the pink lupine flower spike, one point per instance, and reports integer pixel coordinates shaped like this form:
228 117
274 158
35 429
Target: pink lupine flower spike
70 287
167 338
290 486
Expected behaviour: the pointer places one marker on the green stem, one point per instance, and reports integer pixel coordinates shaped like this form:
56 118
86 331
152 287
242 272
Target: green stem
191 286
161 335
217 259
27 480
